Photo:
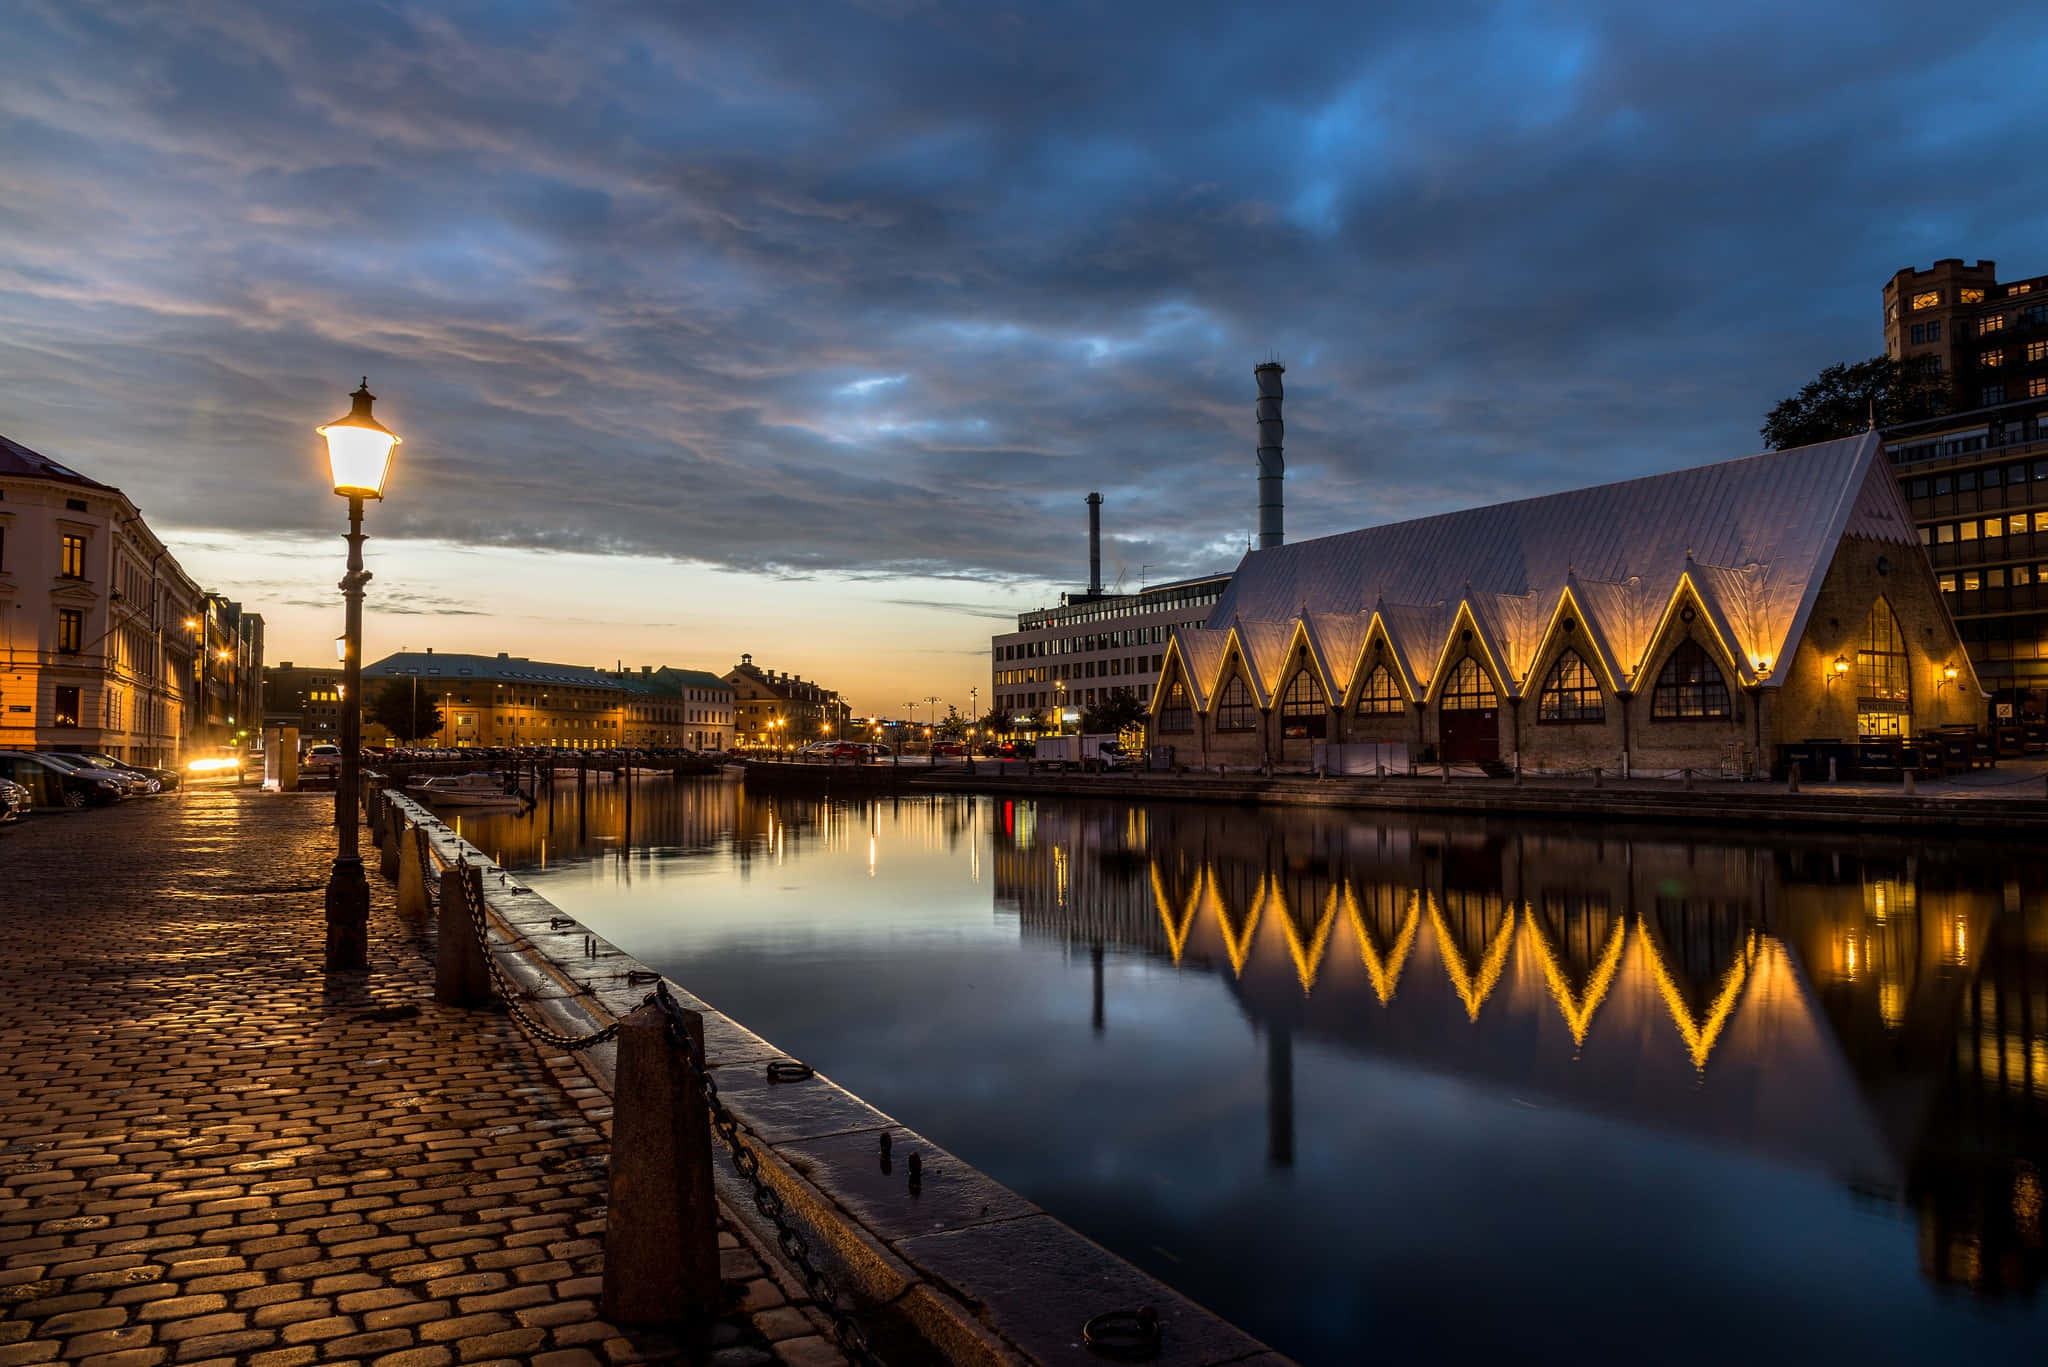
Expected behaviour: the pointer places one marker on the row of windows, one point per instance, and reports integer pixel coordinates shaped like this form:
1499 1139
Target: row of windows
1967 481
2036 351
1085 669
2018 576
1990 528
1690 687
1131 607
1926 332
1082 645
2036 387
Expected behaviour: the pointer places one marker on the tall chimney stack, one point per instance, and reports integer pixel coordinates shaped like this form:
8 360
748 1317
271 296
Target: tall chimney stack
1094 545
1272 465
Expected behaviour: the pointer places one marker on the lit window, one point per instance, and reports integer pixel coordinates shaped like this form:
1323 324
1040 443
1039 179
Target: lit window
1992 358
1993 527
2026 288
2041 522
71 564
2016 524
1304 708
1381 696
1968 531
1176 716
1969 296
1571 694
1234 710
1469 690
1927 299
2022 575
1987 326
2037 386
2037 351
1690 687
64 706
1971 581
1945 533
70 630
1948 583
1884 694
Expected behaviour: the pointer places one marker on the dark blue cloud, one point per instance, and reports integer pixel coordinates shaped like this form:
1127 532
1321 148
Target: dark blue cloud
890 286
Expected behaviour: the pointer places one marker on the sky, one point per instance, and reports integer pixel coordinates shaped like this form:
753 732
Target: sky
805 330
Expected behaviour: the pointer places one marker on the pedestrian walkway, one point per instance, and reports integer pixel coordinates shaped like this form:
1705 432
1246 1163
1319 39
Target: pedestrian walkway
212 1152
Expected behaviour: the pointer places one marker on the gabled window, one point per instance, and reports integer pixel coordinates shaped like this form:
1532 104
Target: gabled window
1176 716
1469 689
1381 696
1884 688
1304 707
1690 687
1571 693
1234 710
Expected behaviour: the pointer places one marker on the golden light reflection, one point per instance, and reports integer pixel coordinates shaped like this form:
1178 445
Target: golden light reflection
1385 972
1308 958
1473 990
1699 1036
1577 1009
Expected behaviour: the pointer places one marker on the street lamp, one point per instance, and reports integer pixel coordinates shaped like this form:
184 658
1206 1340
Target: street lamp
1060 705
359 458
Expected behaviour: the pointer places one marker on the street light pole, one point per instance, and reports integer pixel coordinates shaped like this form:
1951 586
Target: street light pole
359 453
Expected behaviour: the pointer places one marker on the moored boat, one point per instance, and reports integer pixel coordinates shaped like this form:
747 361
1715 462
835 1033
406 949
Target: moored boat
466 790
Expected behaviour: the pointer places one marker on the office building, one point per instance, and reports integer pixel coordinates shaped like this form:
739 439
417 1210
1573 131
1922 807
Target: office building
1989 339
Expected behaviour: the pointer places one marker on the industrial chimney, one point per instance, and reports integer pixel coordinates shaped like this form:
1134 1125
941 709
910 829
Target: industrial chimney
1272 465
1095 545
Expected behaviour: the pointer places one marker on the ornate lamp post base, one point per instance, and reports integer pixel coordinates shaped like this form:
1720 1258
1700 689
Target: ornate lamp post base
348 915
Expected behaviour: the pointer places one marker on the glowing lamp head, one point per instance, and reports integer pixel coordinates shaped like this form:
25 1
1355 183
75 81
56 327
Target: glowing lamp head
359 448
1948 673
1841 665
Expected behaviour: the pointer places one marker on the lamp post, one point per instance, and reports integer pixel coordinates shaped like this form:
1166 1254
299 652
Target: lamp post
1060 704
359 457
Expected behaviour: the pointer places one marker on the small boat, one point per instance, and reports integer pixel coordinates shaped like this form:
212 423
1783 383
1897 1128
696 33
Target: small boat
466 790
732 773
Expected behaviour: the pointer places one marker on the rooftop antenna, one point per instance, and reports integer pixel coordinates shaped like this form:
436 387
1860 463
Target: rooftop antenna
1873 412
1141 575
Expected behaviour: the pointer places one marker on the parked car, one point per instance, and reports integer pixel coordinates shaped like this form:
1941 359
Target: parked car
321 757
14 801
949 747
52 783
163 779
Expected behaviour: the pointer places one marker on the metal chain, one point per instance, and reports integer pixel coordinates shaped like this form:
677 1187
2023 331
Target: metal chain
430 882
473 900
767 1200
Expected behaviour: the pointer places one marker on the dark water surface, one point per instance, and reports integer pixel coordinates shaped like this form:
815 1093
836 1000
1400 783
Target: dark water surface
1406 1089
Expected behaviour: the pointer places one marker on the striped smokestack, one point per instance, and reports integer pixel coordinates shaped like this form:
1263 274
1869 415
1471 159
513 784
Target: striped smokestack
1094 545
1272 465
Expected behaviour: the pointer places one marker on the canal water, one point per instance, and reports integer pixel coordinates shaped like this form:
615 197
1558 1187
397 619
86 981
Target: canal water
1406 1088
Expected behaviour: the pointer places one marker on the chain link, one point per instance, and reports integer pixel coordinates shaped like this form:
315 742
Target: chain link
767 1200
508 992
430 881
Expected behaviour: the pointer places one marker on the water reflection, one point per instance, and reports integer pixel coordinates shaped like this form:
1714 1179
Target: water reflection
1878 1016
1790 1092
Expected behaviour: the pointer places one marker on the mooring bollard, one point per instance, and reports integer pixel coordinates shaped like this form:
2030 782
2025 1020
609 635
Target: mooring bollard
1792 778
661 1222
1688 779
1911 787
387 840
1596 776
412 886
1831 769
460 977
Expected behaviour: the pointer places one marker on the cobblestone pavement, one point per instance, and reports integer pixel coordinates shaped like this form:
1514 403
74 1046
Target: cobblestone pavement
212 1153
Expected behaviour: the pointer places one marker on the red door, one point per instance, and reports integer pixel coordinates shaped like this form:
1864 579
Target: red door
1469 737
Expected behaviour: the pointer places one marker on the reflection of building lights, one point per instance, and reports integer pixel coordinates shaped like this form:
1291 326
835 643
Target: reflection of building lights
2026 1204
1891 1004
1849 958
1962 941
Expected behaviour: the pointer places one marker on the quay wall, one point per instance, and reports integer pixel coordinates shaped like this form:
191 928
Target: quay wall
979 1274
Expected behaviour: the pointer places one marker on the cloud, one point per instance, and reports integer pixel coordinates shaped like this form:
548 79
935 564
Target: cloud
887 294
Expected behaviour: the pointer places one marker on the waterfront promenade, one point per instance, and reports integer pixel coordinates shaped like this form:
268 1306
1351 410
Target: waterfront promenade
213 1152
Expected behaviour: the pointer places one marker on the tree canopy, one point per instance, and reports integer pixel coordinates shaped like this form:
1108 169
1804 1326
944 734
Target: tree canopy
1116 711
1842 400
393 708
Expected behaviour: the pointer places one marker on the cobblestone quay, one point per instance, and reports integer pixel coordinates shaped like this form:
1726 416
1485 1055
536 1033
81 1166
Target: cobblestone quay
211 1152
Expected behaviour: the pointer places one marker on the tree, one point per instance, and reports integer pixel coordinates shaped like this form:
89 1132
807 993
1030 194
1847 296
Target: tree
996 723
1841 401
393 708
954 727
1118 710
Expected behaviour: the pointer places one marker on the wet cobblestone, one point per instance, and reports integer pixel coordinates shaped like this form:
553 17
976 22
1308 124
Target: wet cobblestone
211 1151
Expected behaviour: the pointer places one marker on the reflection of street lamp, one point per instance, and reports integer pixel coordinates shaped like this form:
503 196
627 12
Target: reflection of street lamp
359 458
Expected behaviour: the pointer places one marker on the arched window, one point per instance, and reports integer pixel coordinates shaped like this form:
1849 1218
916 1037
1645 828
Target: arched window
1381 695
1571 693
1884 679
1469 689
1690 687
1304 707
1234 710
1175 715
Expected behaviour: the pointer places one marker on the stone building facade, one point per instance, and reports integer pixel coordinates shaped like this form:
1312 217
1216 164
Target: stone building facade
509 700
772 708
1695 620
100 630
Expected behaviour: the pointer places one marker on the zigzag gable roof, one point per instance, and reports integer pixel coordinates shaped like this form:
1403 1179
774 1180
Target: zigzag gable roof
1756 534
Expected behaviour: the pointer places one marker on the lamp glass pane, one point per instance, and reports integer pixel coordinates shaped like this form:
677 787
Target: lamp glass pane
360 458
